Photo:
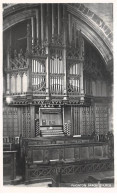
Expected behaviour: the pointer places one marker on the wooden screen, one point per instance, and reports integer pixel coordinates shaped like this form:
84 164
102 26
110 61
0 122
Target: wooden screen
87 123
101 118
18 120
10 121
76 120
82 120
26 122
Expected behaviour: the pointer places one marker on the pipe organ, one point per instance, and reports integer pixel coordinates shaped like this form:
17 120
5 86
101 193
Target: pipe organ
17 74
57 97
74 79
56 71
49 47
38 76
50 64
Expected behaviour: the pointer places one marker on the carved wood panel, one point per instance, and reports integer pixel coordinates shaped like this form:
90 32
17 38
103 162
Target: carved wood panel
83 120
101 118
17 73
76 120
87 120
26 122
10 121
37 127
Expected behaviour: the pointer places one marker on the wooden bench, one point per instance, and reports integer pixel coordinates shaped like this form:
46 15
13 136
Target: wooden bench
50 157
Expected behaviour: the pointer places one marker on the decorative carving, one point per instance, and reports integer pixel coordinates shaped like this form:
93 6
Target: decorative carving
76 120
41 172
57 40
38 50
67 170
10 122
73 53
110 139
71 168
56 53
18 60
101 119
39 88
94 18
87 120
26 122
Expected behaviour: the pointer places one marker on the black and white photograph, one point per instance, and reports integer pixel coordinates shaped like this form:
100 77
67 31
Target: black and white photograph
58 95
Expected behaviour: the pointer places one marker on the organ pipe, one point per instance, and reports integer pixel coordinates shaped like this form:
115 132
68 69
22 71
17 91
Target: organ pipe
33 29
81 78
42 24
8 83
37 23
53 20
59 19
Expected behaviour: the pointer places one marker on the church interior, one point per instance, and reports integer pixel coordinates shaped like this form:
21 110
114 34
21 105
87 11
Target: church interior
57 95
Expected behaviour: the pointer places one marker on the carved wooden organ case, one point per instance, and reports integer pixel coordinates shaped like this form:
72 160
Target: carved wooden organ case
47 64
51 67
